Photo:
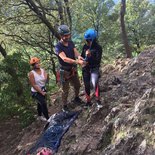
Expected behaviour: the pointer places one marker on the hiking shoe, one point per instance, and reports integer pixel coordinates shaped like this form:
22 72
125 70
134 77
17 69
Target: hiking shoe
77 100
42 118
99 105
65 108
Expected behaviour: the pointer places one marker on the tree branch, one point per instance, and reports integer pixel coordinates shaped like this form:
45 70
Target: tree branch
3 52
33 7
68 12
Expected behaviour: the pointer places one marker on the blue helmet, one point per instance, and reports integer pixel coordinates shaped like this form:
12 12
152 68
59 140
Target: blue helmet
90 34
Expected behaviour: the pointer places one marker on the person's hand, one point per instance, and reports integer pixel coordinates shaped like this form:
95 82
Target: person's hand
88 53
43 93
82 62
80 57
85 63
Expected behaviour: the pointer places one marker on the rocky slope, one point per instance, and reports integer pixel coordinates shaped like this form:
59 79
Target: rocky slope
126 123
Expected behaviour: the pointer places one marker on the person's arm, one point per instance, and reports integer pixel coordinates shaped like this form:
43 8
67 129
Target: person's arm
77 54
99 55
33 84
63 56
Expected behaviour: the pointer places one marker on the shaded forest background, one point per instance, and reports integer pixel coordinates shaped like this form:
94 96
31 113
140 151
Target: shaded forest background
29 28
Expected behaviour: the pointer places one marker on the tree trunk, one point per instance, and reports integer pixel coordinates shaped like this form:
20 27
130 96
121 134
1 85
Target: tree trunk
60 11
68 13
124 35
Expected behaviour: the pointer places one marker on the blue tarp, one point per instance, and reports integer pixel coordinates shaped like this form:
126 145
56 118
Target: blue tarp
56 127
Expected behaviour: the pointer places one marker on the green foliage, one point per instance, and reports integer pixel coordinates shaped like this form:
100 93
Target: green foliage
135 53
13 78
140 23
26 116
102 16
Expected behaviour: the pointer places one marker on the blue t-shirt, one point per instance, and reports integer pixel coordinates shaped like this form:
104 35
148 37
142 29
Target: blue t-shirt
68 50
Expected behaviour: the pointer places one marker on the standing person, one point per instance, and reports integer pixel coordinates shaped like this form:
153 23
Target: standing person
68 57
92 53
38 78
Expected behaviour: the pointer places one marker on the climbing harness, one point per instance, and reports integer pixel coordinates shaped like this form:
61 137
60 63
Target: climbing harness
63 75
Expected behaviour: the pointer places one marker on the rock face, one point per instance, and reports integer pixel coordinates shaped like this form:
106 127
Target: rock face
126 123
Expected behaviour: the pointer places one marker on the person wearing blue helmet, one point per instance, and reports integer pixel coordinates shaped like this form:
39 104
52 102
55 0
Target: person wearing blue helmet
92 53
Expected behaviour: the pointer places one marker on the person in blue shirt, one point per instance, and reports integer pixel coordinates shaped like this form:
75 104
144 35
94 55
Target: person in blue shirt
68 57
92 54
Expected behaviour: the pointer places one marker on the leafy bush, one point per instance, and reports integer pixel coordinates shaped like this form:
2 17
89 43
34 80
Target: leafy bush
15 96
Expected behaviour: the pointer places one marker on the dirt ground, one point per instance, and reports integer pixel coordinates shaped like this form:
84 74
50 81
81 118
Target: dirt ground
10 135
